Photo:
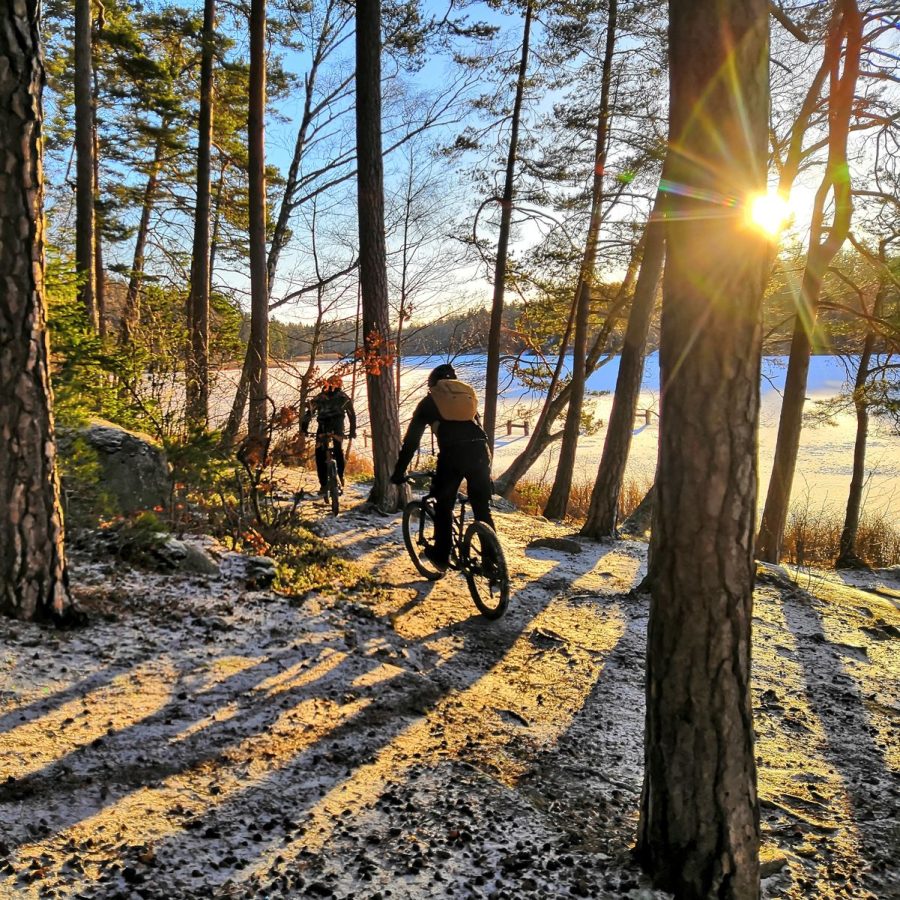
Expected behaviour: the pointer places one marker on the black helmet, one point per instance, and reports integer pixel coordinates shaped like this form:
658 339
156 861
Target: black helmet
440 373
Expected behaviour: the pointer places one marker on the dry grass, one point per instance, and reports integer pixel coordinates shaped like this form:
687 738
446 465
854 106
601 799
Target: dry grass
530 496
812 538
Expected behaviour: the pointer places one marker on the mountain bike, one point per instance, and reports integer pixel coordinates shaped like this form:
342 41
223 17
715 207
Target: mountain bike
475 551
333 487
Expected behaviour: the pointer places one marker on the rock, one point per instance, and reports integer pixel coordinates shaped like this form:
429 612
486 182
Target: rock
135 470
189 556
502 504
566 545
260 572
771 863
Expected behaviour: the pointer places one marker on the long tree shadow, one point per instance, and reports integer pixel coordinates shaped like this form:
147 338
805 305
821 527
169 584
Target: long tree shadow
833 677
210 741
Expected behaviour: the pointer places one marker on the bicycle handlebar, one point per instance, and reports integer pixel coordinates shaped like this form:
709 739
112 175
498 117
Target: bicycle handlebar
412 477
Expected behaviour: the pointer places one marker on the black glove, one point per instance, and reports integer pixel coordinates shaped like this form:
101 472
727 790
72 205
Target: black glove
398 477
353 435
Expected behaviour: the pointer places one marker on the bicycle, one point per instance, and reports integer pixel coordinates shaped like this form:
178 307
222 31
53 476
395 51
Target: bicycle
476 552
333 487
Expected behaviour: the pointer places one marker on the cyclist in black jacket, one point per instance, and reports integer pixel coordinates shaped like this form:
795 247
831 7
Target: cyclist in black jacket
462 453
329 407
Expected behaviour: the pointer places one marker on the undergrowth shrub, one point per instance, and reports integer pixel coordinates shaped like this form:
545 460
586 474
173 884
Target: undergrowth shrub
531 495
812 537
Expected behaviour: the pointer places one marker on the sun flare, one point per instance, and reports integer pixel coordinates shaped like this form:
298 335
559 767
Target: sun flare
769 213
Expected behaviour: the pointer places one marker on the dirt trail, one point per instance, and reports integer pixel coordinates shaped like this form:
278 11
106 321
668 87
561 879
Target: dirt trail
202 740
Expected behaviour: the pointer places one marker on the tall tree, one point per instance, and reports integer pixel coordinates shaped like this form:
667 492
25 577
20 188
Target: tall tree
847 557
558 500
33 576
197 381
699 825
85 223
492 366
259 290
604 506
384 414
844 45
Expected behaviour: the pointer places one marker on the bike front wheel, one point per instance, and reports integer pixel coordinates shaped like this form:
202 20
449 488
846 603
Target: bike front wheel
418 535
334 490
484 566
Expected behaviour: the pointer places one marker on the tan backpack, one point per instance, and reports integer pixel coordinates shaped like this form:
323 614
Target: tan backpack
456 401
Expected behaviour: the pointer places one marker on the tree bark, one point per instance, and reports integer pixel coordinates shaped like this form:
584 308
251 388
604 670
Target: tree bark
384 414
492 368
558 501
84 165
259 291
844 41
604 507
33 574
197 381
698 834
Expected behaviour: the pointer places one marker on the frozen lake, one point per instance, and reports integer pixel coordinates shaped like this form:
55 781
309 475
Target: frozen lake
823 466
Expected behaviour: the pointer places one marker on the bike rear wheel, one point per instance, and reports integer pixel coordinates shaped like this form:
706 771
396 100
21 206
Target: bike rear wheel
484 566
418 534
334 490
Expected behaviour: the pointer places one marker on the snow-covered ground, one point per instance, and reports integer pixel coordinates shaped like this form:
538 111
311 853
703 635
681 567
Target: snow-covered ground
199 739
823 466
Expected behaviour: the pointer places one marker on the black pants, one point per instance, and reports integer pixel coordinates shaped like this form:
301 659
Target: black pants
337 449
469 460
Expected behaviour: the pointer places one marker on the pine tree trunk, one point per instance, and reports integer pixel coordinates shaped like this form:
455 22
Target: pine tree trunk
99 272
131 315
197 380
84 165
492 368
823 245
604 507
259 290
33 576
698 834
847 557
383 411
558 501
541 437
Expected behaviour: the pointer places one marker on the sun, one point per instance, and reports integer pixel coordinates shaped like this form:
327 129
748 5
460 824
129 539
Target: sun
769 213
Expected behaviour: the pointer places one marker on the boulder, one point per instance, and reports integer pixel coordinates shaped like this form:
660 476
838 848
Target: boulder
566 545
189 556
135 470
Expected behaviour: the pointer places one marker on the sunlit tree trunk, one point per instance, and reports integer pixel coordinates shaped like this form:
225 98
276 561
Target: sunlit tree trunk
847 557
33 577
197 381
85 224
604 506
542 436
384 414
492 366
698 833
259 291
558 501
845 43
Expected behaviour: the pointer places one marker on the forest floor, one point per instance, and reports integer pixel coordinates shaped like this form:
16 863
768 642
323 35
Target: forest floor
199 739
